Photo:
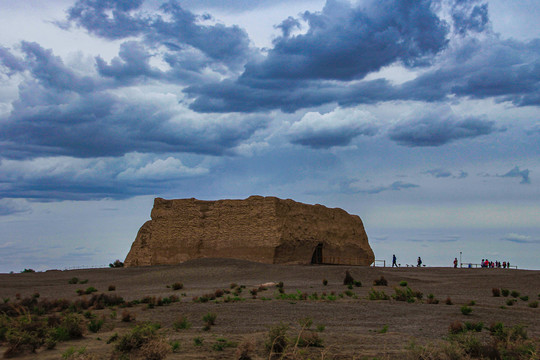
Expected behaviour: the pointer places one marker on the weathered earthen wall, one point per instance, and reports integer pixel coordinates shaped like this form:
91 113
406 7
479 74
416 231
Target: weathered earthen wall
263 229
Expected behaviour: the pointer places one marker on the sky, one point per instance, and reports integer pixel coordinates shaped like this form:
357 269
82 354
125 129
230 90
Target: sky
419 116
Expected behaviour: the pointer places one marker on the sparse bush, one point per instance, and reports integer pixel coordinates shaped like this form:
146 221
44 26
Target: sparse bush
533 304
112 288
510 302
472 303
349 293
137 337
465 310
233 285
456 327
90 290
380 282
245 350
325 282
431 299
127 316
496 292
472 326
377 295
177 286
73 280
403 283
198 341
277 339
95 325
175 346
448 301
219 293
505 292
357 283
349 280
209 320
181 324
28 271
524 298
222 343
514 294
406 294
116 264
83 281
155 349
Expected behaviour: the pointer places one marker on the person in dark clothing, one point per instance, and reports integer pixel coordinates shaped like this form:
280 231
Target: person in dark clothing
394 261
419 262
455 263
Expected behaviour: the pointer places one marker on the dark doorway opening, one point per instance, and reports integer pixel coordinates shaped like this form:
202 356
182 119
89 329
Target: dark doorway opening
317 255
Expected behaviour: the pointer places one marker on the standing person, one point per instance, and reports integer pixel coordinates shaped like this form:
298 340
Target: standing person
394 260
455 263
419 262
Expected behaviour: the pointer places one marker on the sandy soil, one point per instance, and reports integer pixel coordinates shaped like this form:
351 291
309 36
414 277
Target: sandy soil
352 325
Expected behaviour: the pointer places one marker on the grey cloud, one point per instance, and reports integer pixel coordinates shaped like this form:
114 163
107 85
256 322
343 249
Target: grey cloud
467 16
345 42
11 62
51 71
338 128
11 207
345 187
519 238
517 173
288 25
438 129
443 173
103 124
178 31
133 61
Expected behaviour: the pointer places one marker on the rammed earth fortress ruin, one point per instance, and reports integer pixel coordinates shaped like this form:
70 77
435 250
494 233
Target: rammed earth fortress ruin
262 229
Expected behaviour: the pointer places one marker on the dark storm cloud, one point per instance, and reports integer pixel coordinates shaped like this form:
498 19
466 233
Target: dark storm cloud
43 122
10 62
133 61
468 16
438 129
345 42
178 30
517 173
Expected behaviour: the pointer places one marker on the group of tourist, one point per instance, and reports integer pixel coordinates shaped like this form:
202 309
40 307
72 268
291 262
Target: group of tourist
495 264
394 261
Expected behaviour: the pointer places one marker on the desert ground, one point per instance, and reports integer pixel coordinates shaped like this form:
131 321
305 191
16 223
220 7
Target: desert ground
351 326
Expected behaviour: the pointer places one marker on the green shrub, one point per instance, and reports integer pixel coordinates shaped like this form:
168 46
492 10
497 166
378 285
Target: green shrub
181 324
448 301
349 293
198 341
210 319
524 298
472 303
510 302
90 290
377 295
222 343
73 280
471 326
406 294
357 283
403 283
465 310
137 337
505 292
175 346
431 299
514 294
116 264
127 316
95 325
533 304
